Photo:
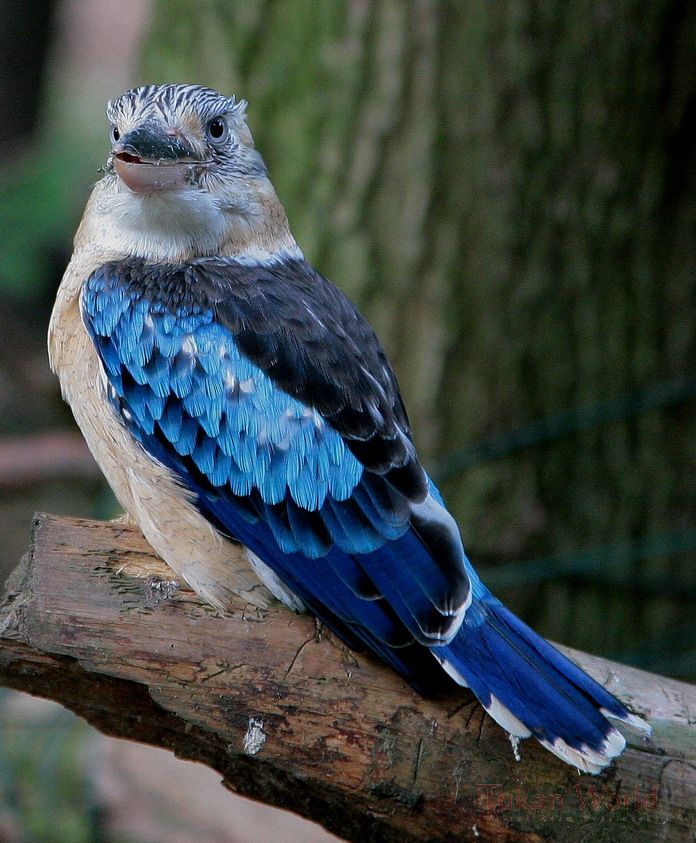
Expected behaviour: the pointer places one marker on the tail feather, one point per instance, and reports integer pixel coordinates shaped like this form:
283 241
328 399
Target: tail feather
530 688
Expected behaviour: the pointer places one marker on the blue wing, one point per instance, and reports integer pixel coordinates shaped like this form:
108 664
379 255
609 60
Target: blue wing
270 470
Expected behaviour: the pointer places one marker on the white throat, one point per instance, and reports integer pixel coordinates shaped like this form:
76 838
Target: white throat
162 226
178 225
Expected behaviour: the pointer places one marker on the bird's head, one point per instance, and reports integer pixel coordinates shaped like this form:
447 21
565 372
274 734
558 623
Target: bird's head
183 179
174 137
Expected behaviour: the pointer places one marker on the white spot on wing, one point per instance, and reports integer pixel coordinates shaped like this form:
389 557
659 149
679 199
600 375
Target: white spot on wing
314 316
631 720
502 715
451 671
273 584
585 758
431 510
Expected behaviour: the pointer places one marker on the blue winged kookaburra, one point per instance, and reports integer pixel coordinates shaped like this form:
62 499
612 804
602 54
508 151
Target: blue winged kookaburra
231 394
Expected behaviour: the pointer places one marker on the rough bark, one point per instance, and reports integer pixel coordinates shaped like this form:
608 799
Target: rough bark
288 716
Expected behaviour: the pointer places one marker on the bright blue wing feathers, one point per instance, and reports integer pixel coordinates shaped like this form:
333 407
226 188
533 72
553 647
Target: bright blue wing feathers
185 380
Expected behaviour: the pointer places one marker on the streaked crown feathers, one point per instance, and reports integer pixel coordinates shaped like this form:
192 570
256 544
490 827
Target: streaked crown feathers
177 103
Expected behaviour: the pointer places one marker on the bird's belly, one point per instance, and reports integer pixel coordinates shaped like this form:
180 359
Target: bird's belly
214 566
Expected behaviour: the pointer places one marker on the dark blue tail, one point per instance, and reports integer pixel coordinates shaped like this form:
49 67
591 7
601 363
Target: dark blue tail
530 688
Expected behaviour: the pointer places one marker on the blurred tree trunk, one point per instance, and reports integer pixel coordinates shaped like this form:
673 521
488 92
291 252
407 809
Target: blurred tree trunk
506 188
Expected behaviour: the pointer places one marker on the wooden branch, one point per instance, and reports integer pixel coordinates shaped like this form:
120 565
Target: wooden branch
290 717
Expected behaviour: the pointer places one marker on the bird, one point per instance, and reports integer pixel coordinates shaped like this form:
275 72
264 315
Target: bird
231 395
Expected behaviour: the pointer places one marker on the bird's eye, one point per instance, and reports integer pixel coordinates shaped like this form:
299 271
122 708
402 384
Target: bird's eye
217 130
114 134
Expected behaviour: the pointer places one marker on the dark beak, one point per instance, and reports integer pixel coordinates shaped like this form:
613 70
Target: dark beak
150 144
148 159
